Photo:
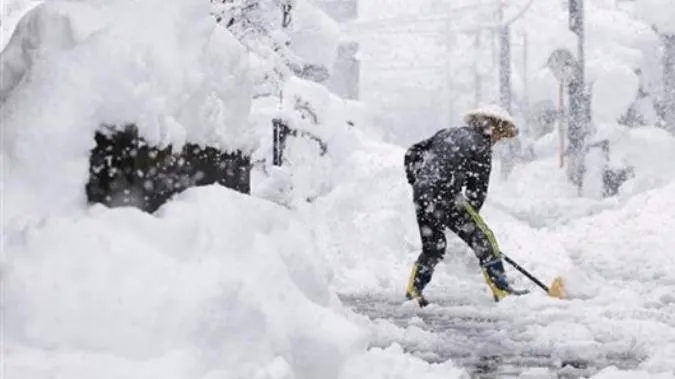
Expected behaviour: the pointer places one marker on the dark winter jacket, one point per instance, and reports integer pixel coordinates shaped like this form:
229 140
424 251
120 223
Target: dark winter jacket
451 160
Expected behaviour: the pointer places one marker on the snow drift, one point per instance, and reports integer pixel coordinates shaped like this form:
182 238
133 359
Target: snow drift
225 281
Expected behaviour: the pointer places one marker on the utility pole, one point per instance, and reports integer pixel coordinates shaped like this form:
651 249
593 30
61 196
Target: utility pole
504 62
477 79
669 81
579 117
526 87
505 87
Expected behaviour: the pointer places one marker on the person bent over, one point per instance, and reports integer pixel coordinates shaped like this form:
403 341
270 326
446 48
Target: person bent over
449 173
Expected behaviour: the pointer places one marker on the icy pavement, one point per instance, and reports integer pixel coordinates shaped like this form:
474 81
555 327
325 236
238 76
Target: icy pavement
485 343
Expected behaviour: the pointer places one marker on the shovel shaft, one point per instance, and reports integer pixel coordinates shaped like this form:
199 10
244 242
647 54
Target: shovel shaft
525 272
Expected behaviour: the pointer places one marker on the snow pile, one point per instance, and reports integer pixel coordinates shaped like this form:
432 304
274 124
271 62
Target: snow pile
616 264
181 79
613 92
217 285
651 152
371 365
624 301
368 226
637 235
540 194
326 131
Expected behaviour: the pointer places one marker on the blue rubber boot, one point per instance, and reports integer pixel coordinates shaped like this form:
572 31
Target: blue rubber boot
495 277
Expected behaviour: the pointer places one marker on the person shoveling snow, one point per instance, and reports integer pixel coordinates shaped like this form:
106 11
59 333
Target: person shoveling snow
449 173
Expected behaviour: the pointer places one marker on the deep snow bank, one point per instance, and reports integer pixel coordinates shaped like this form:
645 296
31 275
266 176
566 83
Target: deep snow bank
218 284
368 227
618 270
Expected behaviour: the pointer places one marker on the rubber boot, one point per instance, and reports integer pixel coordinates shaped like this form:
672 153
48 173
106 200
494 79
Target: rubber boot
420 276
495 277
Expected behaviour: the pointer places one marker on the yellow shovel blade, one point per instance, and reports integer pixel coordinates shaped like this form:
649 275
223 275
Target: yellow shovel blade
557 288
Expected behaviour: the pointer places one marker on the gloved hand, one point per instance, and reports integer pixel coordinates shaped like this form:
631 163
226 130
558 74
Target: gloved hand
413 159
412 164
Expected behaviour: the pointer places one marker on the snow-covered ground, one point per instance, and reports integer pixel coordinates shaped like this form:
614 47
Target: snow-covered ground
219 285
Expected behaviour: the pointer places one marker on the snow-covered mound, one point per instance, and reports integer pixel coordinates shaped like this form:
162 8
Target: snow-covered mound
369 222
388 363
217 284
651 152
327 131
72 66
621 264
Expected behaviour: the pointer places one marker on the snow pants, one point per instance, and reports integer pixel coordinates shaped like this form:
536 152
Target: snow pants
435 213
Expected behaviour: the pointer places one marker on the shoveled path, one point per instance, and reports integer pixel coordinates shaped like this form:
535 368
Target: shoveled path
486 344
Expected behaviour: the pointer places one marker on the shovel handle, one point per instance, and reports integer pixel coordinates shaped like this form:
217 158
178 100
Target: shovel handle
525 272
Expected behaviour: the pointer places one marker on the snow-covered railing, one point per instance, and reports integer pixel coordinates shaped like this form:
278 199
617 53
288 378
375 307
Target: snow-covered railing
281 132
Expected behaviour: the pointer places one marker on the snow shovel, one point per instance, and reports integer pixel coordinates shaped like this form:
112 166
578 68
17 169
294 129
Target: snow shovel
556 289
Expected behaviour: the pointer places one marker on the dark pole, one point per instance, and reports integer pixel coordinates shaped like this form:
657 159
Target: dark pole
669 80
505 88
579 117
505 68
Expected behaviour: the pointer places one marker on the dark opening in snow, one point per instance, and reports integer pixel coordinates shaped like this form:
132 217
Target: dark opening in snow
124 170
